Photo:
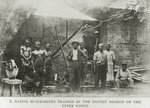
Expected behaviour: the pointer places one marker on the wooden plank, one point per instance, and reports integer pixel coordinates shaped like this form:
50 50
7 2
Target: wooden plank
12 81
136 70
87 86
13 90
3 87
20 90
70 37
10 90
135 73
136 78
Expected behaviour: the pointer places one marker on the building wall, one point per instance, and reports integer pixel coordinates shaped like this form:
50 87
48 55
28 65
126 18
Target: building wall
127 44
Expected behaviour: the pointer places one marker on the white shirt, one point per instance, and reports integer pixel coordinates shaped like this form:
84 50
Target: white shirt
110 57
127 74
74 55
100 57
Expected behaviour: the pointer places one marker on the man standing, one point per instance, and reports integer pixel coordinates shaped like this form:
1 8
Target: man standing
48 66
74 56
38 67
25 52
84 62
100 61
124 77
110 63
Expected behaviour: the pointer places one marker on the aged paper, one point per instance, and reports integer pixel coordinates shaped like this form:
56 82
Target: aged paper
58 24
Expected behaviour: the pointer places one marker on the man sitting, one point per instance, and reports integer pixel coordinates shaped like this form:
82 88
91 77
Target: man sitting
124 77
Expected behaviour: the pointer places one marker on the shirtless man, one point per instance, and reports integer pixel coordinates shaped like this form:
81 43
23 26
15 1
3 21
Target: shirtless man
38 67
48 65
25 52
47 51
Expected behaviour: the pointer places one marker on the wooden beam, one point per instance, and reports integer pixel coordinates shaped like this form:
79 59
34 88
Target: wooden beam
61 48
55 52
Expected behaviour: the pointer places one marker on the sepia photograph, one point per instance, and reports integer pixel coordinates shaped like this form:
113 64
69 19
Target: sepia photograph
69 49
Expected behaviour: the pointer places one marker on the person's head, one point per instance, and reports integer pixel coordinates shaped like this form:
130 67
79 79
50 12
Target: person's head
124 67
75 44
27 42
108 47
37 45
100 46
82 45
47 46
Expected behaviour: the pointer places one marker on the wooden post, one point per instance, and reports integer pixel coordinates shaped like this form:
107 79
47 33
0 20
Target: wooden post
61 48
64 59
55 52
10 90
20 90
13 90
3 87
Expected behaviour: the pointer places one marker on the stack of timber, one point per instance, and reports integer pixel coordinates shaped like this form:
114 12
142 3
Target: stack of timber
139 74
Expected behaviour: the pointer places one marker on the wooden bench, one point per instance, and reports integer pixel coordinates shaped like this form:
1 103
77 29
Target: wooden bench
12 83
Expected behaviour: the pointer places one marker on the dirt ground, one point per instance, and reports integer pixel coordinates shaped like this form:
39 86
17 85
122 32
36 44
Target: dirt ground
140 90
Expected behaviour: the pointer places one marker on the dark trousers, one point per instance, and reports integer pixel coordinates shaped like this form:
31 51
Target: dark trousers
39 79
25 71
74 76
100 74
83 72
49 76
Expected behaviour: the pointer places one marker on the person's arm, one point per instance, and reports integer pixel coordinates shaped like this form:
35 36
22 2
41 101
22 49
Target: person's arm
94 62
117 75
44 59
129 75
30 52
33 57
21 51
86 52
83 54
69 56
32 61
106 65
114 61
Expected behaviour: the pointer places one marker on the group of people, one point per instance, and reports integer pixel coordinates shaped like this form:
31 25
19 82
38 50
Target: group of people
103 60
36 60
104 64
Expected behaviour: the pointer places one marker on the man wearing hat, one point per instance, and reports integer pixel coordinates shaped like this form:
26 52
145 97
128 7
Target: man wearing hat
100 61
38 67
75 59
25 52
124 77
